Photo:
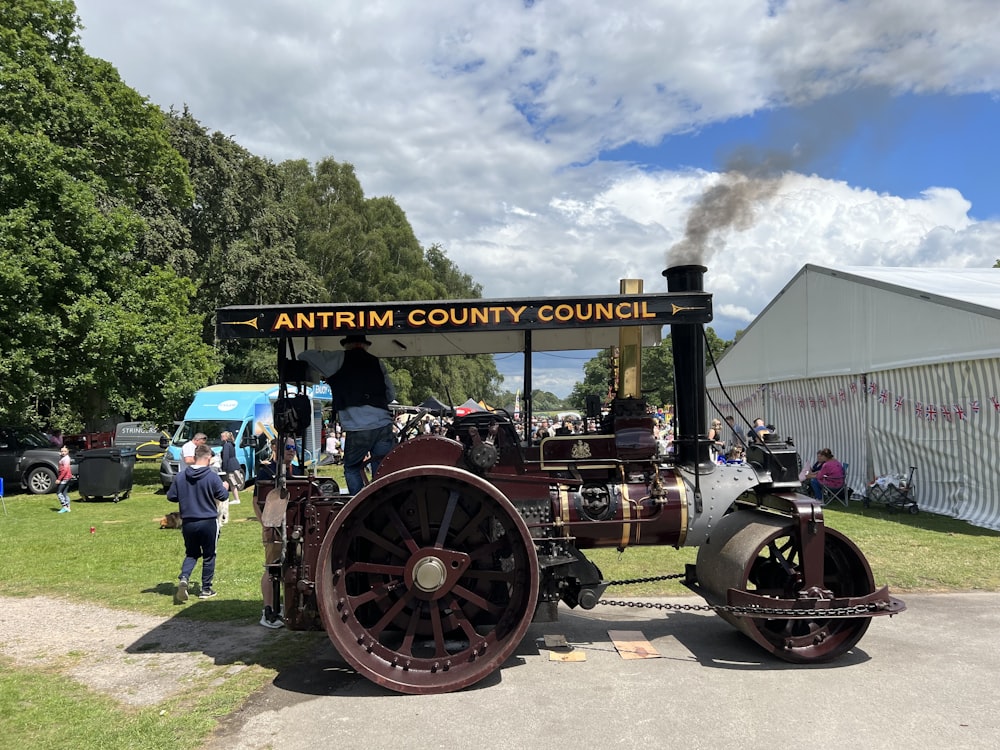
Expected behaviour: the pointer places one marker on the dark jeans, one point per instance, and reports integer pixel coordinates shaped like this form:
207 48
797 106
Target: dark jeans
200 539
360 443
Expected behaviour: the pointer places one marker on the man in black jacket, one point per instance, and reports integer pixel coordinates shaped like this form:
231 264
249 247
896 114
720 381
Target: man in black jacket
361 392
197 490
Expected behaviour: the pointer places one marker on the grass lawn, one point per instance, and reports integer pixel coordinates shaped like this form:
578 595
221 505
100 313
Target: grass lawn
128 562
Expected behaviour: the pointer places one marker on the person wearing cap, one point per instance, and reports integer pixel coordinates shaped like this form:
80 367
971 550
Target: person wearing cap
361 392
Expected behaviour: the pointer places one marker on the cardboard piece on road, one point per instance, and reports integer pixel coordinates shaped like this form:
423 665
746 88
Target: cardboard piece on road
632 644
560 649
567 656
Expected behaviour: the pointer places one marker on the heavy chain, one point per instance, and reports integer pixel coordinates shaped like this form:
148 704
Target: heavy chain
859 610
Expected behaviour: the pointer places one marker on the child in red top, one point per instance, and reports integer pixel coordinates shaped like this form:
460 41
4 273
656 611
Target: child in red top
63 479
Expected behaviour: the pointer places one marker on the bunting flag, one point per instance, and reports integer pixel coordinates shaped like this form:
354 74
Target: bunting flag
937 413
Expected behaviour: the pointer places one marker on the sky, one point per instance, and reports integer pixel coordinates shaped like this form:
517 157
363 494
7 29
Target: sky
553 148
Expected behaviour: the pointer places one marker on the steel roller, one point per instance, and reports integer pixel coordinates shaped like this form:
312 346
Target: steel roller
759 553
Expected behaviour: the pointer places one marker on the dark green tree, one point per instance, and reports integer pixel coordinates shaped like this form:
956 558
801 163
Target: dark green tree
80 152
365 249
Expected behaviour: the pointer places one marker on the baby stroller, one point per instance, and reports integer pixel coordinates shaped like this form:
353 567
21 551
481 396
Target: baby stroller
895 492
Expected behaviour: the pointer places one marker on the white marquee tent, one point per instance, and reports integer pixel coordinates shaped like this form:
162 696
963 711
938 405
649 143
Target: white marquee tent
888 367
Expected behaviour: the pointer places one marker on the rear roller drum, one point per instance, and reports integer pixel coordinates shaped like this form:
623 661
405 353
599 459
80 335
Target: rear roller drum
427 581
755 553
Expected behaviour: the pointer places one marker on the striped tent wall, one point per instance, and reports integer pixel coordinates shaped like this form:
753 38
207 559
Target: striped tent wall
824 413
944 419
815 414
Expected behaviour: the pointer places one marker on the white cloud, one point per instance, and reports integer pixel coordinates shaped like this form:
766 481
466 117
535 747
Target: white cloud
484 120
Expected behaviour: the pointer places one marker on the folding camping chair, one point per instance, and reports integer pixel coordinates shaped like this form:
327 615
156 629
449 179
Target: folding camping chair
841 495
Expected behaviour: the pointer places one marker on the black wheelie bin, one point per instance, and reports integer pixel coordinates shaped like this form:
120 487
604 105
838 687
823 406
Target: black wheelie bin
106 472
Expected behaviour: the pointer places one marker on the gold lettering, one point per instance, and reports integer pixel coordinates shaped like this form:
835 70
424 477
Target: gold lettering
585 312
479 315
645 311
437 317
345 319
564 313
545 313
304 321
604 311
416 318
283 322
623 310
380 321
516 314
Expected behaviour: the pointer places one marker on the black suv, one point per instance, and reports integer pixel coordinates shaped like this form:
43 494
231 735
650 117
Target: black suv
29 459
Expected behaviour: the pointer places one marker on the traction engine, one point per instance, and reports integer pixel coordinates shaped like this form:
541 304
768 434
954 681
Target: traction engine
427 580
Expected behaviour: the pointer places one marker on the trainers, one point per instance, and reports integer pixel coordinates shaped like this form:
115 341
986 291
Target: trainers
181 595
273 624
64 509
207 593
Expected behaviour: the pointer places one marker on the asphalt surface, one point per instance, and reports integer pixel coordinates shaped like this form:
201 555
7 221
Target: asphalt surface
927 678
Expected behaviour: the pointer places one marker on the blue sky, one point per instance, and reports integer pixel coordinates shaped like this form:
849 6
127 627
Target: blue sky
903 146
555 147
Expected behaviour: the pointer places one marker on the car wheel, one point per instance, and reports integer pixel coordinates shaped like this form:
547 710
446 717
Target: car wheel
41 480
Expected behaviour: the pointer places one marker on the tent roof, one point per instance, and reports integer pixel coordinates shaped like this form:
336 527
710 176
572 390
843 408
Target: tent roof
854 319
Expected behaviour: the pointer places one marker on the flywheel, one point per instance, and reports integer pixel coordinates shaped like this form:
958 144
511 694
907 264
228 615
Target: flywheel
428 580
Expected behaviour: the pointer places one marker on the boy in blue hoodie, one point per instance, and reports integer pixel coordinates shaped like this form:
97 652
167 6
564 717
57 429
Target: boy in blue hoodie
196 490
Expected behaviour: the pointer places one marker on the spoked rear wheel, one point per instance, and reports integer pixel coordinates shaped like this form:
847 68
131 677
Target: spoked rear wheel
750 552
427 581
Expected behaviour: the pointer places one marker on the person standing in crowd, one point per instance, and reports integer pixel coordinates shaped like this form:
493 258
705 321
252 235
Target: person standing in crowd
197 490
715 436
187 450
271 616
362 392
63 478
231 466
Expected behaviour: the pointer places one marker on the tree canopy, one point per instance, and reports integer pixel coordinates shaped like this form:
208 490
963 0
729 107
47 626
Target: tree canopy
82 313
123 228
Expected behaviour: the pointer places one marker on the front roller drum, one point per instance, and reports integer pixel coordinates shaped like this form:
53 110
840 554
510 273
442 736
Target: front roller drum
427 580
762 555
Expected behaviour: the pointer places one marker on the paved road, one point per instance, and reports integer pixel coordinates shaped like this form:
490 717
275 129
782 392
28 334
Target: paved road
929 678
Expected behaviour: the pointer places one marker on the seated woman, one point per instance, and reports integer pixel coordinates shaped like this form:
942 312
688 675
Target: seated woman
829 474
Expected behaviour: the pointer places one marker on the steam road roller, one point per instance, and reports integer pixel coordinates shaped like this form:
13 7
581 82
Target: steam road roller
428 578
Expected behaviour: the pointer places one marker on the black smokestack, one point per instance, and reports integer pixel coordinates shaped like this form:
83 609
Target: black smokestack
688 345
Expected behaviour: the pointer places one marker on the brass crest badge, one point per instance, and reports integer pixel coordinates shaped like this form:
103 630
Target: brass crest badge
580 450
